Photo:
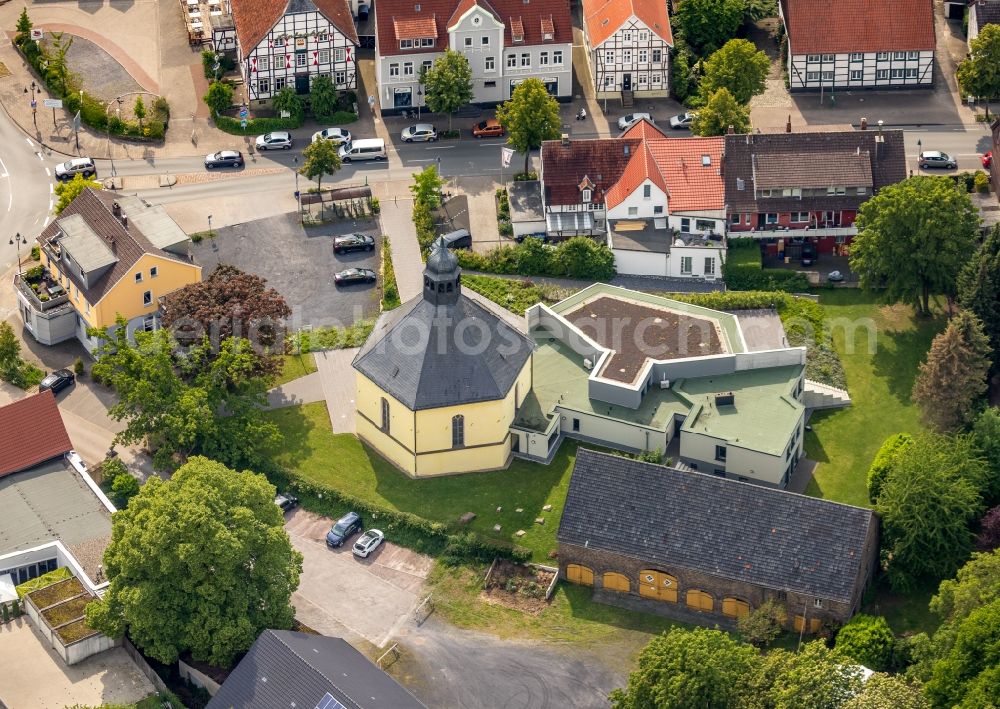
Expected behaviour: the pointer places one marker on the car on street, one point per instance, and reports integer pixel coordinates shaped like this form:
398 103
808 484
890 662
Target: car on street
682 120
350 276
626 122
224 158
490 128
285 501
368 543
353 242
57 381
987 160
419 132
935 158
343 529
338 136
276 140
77 166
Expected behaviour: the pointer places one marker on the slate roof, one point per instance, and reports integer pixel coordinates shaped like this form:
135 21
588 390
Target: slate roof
604 17
128 244
888 166
732 530
255 18
403 357
289 669
799 169
601 160
31 432
820 26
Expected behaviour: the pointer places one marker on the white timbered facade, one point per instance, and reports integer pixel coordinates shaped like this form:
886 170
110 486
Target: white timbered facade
861 70
628 47
306 40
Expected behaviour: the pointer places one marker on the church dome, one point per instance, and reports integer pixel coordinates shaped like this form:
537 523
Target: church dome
441 260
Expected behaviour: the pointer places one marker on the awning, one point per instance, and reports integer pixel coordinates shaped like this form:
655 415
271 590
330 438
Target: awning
7 592
569 221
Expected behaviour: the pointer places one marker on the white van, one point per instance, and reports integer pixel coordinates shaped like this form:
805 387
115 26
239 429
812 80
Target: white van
364 149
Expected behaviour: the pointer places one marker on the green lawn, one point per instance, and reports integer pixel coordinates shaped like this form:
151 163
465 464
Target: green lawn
342 461
295 366
879 379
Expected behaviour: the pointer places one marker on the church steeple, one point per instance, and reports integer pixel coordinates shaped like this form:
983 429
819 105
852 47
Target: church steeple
442 276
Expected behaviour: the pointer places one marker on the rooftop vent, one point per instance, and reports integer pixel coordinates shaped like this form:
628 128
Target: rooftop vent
706 160
565 139
741 184
625 148
116 208
416 8
124 220
725 398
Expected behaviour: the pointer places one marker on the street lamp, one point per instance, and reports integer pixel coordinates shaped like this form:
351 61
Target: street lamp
420 97
298 197
16 241
209 226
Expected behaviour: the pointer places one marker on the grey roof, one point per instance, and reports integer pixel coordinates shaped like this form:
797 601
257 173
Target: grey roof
429 356
837 168
986 13
739 531
154 223
289 669
86 247
525 197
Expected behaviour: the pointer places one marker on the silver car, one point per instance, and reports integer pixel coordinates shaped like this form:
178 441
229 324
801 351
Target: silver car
337 136
77 166
276 140
367 543
421 131
626 122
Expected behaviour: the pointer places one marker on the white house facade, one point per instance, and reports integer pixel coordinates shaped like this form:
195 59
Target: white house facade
630 54
859 44
505 43
303 40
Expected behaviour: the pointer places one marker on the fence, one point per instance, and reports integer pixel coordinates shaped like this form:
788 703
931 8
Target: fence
144 667
422 612
392 653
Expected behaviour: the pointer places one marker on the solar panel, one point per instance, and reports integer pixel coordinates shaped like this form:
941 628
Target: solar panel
328 702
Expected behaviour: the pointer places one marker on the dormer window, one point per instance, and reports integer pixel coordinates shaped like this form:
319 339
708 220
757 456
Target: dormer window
406 44
518 38
586 196
517 30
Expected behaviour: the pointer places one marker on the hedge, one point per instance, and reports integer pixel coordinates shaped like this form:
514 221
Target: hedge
255 126
390 290
330 338
743 271
579 257
338 118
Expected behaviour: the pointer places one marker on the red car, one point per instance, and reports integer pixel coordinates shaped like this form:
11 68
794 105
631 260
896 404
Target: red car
987 160
489 128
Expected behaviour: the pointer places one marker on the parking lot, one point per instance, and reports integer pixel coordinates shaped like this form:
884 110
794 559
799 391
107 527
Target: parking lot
340 594
300 264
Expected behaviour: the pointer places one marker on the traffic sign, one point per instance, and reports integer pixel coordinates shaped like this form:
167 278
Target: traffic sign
243 123
52 103
244 112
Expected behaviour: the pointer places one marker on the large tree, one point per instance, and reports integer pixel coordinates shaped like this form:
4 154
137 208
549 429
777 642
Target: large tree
719 112
816 677
979 288
529 117
320 158
883 462
198 563
913 239
448 84
867 639
883 691
952 381
684 669
708 24
979 73
68 191
207 401
928 500
323 97
968 674
426 187
737 66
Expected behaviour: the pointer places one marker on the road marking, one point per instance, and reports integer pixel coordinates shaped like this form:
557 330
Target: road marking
29 142
491 145
50 204
427 160
443 147
52 189
48 173
40 158
46 223
10 201
4 168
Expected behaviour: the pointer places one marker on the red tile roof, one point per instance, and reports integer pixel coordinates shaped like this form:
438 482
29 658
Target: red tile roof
604 17
564 167
644 130
255 18
821 26
444 13
31 432
693 185
416 28
640 168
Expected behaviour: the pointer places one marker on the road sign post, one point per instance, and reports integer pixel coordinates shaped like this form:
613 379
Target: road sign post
52 103
34 111
76 130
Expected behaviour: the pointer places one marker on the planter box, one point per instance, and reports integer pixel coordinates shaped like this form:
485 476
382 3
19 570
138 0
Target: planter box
72 640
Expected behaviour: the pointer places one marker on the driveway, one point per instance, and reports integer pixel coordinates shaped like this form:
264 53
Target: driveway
300 264
342 595
34 677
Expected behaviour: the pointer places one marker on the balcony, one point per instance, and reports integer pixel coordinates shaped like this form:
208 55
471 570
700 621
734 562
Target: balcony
49 296
778 232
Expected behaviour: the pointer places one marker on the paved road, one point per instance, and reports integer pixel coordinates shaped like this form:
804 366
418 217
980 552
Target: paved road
966 144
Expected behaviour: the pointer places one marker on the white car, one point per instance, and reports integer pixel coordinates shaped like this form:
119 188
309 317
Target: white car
626 122
421 131
277 140
338 136
367 543
682 120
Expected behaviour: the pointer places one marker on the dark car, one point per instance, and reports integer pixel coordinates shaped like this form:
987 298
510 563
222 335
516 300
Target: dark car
458 239
57 381
345 528
353 242
224 158
354 275
808 254
285 501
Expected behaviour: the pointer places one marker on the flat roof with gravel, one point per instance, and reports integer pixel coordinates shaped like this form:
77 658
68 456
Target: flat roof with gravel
51 502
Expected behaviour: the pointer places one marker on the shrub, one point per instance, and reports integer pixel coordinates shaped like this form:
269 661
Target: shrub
375 205
867 639
882 463
743 271
763 624
578 257
981 182
390 291
36 253
34 274
255 126
123 488
338 118
4 613
219 97
78 368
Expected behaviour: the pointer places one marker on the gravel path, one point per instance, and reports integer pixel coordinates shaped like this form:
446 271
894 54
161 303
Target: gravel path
102 75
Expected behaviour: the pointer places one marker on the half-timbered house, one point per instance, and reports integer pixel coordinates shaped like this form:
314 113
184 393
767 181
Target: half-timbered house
288 43
628 47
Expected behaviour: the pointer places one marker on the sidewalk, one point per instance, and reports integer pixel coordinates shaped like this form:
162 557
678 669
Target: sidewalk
397 222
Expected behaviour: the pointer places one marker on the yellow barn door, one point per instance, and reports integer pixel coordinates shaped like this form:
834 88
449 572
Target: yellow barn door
699 600
735 608
616 582
814 624
575 573
657 585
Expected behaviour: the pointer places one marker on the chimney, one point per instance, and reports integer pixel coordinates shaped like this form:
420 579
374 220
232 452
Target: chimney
116 208
124 220
864 124
788 124
565 139
731 130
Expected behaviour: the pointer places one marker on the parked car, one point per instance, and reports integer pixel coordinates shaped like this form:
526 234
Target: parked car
351 276
57 381
490 128
353 242
77 166
276 140
682 120
935 158
362 149
419 132
368 543
286 502
626 122
987 160
338 136
458 239
343 529
809 254
224 158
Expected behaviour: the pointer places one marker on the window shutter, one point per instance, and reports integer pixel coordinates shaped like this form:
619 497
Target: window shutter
288 61
316 58
253 65
347 53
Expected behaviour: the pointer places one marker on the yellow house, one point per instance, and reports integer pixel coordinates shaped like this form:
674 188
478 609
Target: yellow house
440 379
106 255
